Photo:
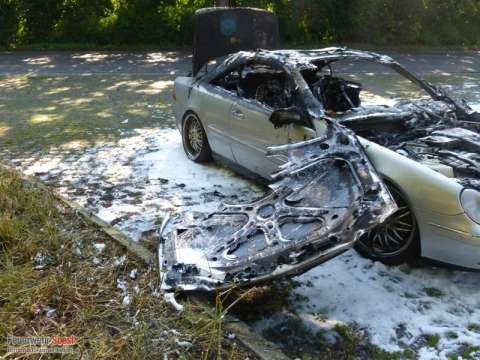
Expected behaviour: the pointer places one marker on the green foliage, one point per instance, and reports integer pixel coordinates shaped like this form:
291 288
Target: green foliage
82 20
433 292
8 22
432 340
169 22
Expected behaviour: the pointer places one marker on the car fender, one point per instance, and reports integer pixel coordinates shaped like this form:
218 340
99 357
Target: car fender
426 190
181 101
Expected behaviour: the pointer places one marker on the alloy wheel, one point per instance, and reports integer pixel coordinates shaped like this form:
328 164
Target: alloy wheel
396 233
194 136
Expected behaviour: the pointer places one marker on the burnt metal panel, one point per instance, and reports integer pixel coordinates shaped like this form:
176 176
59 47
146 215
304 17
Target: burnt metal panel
322 200
222 31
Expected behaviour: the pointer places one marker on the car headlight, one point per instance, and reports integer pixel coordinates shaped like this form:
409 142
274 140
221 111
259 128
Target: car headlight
470 200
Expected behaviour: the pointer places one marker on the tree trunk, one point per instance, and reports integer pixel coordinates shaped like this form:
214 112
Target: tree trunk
222 3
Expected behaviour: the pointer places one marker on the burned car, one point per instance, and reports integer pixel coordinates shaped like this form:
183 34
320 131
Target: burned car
283 117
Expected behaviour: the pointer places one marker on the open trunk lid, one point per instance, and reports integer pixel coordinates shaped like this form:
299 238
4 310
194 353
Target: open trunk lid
222 31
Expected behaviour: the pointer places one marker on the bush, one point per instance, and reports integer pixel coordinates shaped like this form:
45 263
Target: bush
81 20
169 22
8 22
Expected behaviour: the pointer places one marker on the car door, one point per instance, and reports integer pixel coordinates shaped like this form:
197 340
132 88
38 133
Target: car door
252 133
215 104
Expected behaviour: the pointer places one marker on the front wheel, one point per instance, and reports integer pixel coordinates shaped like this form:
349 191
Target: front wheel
194 139
396 240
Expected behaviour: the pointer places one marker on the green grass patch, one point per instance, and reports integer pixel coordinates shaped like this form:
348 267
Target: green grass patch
300 341
467 352
451 335
433 292
474 327
67 113
432 340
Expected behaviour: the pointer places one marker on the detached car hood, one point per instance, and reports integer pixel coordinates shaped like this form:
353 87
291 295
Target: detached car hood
320 203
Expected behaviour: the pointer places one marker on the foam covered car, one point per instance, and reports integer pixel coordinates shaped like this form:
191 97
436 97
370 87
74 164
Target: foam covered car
396 181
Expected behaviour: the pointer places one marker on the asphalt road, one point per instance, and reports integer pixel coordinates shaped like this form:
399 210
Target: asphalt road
177 62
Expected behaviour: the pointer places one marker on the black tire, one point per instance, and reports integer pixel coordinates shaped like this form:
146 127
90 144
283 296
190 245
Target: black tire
194 139
396 241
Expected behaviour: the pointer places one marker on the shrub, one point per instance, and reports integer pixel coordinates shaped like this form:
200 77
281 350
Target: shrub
169 22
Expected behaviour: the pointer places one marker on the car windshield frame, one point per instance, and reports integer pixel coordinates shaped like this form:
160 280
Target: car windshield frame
430 89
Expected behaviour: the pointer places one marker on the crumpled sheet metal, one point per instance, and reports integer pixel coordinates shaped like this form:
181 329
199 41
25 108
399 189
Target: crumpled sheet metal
438 134
320 203
456 148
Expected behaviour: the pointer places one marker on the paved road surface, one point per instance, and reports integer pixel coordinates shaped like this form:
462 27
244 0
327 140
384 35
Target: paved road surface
174 62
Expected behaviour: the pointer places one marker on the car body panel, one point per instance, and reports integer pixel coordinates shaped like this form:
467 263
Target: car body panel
447 245
181 103
426 188
321 201
252 134
215 108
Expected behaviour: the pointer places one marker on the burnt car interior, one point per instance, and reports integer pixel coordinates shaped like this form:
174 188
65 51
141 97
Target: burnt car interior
258 82
434 130
337 95
269 87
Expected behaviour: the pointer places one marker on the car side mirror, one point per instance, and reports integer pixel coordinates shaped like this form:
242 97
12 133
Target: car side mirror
285 116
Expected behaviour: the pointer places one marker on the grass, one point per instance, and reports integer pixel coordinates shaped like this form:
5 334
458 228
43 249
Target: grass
451 334
60 113
433 292
432 340
351 342
468 352
474 327
55 282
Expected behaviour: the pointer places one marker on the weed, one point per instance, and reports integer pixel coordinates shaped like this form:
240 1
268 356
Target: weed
474 327
432 340
433 292
451 335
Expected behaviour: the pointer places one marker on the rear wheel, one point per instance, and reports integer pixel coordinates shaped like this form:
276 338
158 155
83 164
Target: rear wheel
194 139
396 240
